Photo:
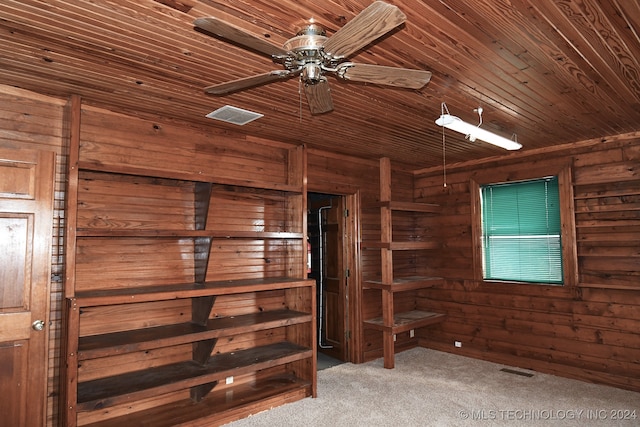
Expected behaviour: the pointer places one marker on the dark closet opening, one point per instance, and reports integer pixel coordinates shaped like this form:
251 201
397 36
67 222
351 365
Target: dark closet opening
325 231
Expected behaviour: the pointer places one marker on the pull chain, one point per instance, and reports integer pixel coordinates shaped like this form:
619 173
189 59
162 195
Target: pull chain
444 160
444 148
300 98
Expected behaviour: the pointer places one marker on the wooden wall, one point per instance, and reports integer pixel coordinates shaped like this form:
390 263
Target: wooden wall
31 120
590 333
337 174
592 337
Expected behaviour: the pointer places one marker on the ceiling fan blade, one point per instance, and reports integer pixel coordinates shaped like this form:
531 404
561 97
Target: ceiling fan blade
373 22
238 35
247 82
379 74
319 97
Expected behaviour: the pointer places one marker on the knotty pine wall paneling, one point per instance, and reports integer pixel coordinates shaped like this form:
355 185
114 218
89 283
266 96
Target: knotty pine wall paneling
37 121
337 174
590 337
590 333
333 173
31 120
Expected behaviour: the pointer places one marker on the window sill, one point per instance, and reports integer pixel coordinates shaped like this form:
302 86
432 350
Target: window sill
527 289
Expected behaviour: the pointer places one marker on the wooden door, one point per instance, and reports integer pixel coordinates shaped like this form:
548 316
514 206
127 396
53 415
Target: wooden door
26 222
334 286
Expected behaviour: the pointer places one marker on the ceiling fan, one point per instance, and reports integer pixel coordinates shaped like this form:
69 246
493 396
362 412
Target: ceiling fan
311 55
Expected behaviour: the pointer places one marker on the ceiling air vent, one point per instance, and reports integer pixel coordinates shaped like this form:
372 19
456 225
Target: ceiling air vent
234 115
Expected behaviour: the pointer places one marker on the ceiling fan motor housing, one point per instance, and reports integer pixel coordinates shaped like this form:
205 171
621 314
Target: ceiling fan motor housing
306 53
309 39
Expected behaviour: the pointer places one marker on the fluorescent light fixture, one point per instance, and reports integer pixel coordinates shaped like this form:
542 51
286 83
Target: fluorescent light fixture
474 132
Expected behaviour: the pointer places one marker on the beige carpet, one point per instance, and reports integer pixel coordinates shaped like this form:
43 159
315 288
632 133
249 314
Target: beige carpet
432 388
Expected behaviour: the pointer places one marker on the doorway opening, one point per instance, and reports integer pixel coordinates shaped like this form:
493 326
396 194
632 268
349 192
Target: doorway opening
326 215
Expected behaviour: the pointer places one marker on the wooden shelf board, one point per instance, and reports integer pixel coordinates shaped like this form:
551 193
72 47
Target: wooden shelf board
110 391
219 405
104 345
401 246
104 232
408 206
406 321
401 284
255 235
186 290
185 176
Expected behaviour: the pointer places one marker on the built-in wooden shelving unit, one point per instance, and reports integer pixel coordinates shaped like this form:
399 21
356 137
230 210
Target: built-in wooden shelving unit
186 300
392 322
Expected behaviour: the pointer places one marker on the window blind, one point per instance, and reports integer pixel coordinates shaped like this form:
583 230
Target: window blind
521 236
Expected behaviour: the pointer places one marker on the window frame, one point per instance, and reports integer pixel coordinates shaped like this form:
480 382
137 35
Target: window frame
567 221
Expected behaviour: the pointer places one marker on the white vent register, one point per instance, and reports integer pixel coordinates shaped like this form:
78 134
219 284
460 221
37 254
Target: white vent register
234 115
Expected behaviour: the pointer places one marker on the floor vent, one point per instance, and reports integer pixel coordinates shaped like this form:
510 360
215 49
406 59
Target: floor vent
513 371
234 115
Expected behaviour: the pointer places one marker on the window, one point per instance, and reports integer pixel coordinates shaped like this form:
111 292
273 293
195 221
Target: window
521 231
547 187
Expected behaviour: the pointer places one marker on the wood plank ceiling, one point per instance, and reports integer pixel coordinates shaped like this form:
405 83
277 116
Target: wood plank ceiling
549 71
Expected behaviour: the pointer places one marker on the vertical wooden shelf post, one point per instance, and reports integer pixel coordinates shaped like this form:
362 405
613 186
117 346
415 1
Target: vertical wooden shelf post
386 234
392 322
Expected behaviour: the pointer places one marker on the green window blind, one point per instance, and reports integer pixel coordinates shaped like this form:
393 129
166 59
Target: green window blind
521 231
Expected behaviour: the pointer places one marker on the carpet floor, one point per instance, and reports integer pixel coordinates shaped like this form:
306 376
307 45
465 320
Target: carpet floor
432 388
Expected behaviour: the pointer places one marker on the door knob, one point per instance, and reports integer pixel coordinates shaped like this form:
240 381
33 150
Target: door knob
38 325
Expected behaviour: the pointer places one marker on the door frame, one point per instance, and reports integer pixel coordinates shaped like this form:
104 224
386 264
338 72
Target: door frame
352 260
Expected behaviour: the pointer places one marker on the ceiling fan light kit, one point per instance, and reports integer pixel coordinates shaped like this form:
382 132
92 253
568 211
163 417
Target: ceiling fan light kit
312 55
473 132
